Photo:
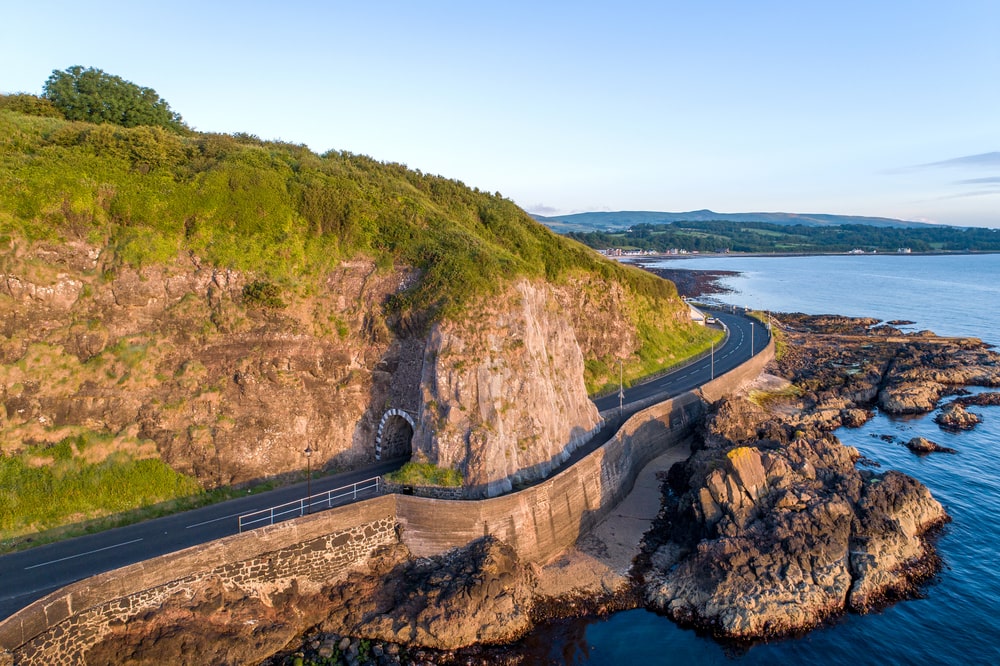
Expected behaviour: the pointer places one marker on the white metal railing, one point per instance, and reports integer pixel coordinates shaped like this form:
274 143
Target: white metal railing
276 514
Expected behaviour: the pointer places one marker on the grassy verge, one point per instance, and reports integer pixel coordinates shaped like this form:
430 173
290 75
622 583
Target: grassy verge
665 349
48 488
776 332
425 474
53 493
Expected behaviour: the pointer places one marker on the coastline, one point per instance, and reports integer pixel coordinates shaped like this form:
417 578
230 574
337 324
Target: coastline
892 558
719 255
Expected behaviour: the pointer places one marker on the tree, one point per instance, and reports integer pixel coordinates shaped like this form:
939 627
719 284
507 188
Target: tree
98 97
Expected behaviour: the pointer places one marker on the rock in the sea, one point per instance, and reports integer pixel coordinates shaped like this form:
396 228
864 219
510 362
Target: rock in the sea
923 445
887 552
989 399
955 417
772 537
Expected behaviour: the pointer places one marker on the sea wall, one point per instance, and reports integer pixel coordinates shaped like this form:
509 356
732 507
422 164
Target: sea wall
539 522
312 550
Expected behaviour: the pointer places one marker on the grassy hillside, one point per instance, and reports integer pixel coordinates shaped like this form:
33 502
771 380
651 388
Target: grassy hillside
273 209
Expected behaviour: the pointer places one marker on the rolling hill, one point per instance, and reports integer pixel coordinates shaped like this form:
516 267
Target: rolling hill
624 219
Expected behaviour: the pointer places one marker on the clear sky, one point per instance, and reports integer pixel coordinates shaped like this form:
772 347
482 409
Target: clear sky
887 107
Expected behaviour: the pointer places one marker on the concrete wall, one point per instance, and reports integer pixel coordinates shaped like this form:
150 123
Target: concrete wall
542 521
539 522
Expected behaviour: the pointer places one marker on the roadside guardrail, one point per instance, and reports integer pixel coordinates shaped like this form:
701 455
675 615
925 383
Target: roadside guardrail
327 500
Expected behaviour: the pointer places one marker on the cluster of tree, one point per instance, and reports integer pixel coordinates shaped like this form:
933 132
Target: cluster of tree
94 96
762 237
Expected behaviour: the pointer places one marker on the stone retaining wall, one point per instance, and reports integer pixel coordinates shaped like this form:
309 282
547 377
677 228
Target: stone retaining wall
539 522
435 492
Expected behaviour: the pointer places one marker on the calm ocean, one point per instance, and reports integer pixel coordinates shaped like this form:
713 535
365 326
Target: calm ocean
958 619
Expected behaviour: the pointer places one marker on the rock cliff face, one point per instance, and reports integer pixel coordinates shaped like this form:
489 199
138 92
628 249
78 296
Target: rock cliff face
176 361
176 355
503 391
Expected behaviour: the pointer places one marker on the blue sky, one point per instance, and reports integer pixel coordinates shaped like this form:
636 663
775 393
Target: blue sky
888 108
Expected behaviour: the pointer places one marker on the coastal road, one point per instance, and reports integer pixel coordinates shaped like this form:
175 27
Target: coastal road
31 574
746 337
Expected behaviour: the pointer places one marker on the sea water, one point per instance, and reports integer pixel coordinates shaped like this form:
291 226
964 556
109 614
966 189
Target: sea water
957 618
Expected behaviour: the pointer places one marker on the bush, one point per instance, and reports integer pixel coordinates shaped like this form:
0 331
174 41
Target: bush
260 294
425 474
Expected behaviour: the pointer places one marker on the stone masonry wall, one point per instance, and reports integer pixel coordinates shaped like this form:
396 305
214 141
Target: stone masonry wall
312 549
310 564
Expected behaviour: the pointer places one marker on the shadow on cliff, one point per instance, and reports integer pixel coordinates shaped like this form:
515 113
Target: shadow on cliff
581 442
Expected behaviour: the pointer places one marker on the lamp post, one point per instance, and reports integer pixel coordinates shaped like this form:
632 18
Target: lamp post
751 339
713 359
308 453
621 391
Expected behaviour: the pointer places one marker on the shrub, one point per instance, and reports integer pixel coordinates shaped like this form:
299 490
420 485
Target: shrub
260 294
425 474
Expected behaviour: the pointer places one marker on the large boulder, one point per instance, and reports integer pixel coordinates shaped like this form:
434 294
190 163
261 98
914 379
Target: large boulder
922 445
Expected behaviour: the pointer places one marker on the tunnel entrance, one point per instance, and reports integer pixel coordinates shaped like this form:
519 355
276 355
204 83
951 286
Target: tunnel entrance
395 436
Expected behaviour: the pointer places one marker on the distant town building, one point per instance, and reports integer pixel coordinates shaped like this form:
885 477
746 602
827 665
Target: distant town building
904 250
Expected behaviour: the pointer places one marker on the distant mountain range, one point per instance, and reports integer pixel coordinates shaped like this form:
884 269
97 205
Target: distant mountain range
624 219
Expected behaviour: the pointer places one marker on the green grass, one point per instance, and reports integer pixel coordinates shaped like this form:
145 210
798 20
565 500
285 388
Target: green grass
425 474
765 398
274 210
780 344
48 488
663 347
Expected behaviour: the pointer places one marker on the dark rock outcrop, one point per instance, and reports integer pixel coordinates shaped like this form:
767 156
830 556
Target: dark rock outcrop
922 445
479 594
769 537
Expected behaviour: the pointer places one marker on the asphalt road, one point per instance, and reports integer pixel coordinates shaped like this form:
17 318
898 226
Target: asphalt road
736 350
31 574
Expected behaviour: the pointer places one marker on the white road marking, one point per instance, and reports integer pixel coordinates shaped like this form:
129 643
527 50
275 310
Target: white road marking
215 520
89 552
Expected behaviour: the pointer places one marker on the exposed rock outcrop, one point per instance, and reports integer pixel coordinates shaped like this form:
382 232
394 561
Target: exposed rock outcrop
175 361
922 445
769 537
845 364
955 417
503 392
479 594
175 354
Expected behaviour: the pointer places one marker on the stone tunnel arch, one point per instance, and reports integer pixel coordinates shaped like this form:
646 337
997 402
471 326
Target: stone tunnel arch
395 435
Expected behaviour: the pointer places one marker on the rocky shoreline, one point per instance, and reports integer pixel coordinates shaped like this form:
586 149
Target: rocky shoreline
768 529
689 283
